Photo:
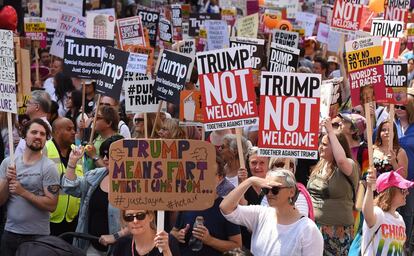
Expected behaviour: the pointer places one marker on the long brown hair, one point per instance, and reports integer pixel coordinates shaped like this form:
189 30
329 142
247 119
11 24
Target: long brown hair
332 165
384 199
378 140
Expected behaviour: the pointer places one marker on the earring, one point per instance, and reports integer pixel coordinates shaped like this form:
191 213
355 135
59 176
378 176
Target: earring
291 201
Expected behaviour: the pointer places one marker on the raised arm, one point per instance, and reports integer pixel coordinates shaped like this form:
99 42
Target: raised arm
75 155
368 204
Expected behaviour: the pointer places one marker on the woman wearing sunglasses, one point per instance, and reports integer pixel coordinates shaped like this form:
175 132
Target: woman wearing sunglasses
384 228
279 229
144 239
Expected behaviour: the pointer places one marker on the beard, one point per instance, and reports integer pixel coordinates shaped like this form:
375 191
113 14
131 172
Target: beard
34 148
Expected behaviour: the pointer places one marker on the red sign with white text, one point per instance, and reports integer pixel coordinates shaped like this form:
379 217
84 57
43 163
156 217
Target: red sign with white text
397 10
346 15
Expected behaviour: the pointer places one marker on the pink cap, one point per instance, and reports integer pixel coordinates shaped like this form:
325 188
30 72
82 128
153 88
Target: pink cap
392 179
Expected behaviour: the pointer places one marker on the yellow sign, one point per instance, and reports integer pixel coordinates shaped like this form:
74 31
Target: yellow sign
35 27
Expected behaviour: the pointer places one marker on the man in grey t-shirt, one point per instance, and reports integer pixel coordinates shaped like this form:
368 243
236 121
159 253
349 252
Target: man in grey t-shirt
30 187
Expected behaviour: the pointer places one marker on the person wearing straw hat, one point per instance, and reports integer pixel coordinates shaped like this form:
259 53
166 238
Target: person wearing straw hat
384 228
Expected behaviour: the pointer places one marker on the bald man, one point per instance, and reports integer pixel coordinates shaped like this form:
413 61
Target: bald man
65 217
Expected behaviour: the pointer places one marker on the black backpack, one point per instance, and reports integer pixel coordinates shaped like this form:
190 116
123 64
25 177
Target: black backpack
48 245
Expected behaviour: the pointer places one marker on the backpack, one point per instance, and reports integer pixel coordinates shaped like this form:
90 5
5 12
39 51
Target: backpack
48 245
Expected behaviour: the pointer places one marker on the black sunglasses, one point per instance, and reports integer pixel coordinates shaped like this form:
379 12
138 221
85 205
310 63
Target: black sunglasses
139 120
354 111
138 215
275 190
400 107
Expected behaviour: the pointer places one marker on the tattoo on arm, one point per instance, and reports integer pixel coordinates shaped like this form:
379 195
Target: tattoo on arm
54 189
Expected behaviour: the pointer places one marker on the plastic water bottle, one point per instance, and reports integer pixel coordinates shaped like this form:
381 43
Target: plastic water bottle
196 244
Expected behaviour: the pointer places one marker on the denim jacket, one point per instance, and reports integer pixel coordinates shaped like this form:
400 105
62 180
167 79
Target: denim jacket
84 187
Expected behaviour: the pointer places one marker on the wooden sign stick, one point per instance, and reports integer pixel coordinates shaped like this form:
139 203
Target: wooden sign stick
239 134
83 100
369 136
10 134
156 118
145 125
94 119
391 132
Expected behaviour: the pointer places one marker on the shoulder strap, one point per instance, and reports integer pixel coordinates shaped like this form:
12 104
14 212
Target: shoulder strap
371 240
353 188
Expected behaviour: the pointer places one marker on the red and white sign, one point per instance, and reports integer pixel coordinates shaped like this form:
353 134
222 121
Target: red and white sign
397 10
390 32
226 85
346 15
289 115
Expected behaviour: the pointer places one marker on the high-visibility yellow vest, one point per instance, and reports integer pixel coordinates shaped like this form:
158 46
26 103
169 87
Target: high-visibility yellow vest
68 206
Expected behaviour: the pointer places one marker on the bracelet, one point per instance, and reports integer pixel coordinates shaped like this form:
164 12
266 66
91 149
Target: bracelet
116 236
71 166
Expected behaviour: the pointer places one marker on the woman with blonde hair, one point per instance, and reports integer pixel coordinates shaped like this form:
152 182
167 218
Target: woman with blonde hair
171 129
144 240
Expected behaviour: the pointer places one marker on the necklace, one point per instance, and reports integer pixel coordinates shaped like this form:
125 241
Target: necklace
133 249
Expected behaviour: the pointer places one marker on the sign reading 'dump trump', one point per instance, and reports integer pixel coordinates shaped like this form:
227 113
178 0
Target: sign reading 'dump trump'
173 175
396 81
83 56
397 10
172 70
289 115
283 58
111 75
226 85
257 50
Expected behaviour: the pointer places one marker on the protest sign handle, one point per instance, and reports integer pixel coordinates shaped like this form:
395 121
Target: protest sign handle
156 118
391 131
10 132
94 119
369 134
240 147
83 100
160 223
287 163
37 64
203 133
145 125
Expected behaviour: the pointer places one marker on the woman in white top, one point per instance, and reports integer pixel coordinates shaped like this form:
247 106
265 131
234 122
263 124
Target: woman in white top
279 229
383 232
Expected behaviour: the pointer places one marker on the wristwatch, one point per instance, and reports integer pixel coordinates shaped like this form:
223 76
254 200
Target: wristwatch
96 158
116 236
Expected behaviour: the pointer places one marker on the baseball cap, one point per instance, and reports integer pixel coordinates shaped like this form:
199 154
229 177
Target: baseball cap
392 179
356 120
333 59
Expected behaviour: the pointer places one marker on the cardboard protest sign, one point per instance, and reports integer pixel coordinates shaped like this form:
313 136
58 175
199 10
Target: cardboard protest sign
217 34
257 50
307 21
137 62
334 41
172 71
173 175
347 15
36 31
150 20
287 38
191 112
410 32
107 11
325 100
111 75
143 50
225 78
165 30
283 58
188 46
83 56
397 10
130 32
365 70
7 77
51 10
323 33
177 16
334 86
229 15
139 93
197 20
100 26
390 32
396 81
69 25
289 115
248 26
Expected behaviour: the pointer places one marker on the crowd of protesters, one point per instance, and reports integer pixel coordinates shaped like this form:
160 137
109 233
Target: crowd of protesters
273 206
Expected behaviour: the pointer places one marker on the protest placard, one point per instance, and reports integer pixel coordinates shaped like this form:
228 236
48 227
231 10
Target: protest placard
69 25
248 26
283 58
410 32
287 38
336 95
365 70
172 71
176 13
346 15
36 31
150 20
217 34
390 32
335 41
289 115
83 56
225 78
396 81
325 100
229 15
323 33
188 46
100 26
397 10
307 21
107 11
7 77
137 63
197 20
191 112
152 174
165 30
143 50
51 10
130 32
111 75
257 50
139 93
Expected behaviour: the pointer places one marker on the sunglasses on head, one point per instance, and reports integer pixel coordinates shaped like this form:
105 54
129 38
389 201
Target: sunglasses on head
400 107
275 190
138 215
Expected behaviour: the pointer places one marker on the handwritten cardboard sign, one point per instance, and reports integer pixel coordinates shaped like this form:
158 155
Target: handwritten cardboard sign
289 115
396 81
248 26
217 34
173 175
51 10
347 15
7 77
130 32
